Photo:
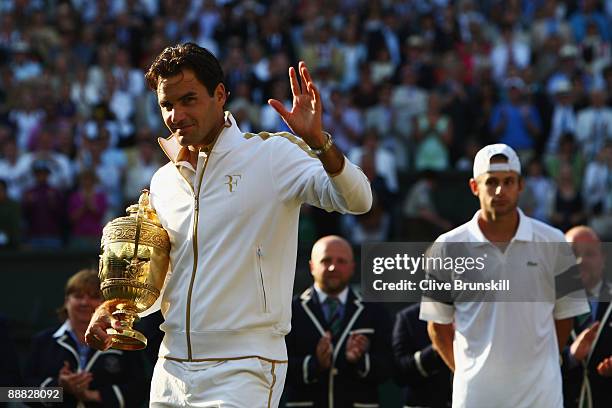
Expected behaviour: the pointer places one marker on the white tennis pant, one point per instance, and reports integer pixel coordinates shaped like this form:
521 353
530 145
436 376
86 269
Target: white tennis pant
249 382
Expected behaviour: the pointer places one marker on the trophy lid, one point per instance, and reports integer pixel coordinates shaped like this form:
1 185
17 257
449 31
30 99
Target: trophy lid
144 203
131 228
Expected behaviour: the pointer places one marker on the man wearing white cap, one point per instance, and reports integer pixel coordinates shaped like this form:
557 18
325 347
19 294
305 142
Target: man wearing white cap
506 354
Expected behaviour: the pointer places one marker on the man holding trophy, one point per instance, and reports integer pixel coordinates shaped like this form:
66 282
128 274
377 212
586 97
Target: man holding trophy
229 202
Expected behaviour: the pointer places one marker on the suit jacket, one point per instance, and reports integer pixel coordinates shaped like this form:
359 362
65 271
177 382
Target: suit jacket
425 378
582 379
345 384
118 375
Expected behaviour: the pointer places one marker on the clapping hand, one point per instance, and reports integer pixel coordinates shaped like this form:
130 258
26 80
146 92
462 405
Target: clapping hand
356 346
324 351
74 383
581 347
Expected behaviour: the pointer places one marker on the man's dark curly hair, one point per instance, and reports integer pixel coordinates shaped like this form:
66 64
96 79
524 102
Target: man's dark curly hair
186 56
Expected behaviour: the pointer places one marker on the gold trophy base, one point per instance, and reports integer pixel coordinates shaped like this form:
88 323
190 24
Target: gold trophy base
128 339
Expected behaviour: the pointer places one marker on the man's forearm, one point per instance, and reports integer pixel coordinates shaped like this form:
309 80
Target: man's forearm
332 160
442 336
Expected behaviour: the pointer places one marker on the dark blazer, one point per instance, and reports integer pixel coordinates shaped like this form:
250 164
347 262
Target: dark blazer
573 372
425 379
345 384
118 375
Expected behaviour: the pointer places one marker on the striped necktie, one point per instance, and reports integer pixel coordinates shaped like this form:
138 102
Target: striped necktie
334 318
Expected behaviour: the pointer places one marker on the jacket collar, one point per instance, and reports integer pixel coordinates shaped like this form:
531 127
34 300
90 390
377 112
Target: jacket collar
229 137
312 307
63 329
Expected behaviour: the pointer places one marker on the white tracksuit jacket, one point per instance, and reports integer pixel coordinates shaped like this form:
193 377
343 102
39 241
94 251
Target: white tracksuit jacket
233 233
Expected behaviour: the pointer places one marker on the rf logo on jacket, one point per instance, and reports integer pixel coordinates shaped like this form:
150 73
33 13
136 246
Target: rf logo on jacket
232 181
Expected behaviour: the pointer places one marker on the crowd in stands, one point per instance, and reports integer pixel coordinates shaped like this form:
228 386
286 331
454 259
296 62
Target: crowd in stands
411 90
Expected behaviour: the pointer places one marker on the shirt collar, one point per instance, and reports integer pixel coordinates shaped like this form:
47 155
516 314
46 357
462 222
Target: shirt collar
342 296
64 328
594 293
523 233
230 135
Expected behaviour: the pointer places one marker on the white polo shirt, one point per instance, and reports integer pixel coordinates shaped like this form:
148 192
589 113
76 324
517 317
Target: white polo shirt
506 353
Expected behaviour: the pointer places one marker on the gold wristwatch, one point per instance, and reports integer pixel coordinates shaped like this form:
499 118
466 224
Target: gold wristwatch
326 146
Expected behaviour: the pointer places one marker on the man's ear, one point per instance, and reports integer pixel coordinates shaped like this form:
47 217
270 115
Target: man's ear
220 93
474 186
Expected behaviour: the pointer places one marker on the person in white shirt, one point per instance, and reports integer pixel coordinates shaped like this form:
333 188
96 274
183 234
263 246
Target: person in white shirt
227 311
594 123
506 353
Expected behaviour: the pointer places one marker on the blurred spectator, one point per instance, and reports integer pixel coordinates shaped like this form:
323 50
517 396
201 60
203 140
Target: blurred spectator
597 190
456 102
323 51
60 176
433 133
465 163
10 170
510 51
59 356
408 100
108 164
566 67
344 121
24 64
587 13
424 377
594 49
275 35
568 209
380 117
420 58
419 203
339 347
354 54
83 92
245 112
485 99
567 153
541 192
551 22
515 122
594 124
86 208
563 116
44 210
365 93
269 118
375 225
10 219
143 163
381 158
27 116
